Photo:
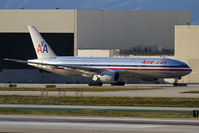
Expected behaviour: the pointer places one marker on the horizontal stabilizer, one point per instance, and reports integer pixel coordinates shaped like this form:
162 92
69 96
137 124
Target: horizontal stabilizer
15 60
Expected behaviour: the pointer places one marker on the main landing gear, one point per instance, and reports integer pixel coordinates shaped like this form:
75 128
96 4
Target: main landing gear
95 83
99 83
120 83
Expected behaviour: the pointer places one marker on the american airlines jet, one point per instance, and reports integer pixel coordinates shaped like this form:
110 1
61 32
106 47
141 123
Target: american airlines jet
114 70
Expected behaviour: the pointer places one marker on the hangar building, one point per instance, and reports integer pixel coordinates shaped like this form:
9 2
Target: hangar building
69 32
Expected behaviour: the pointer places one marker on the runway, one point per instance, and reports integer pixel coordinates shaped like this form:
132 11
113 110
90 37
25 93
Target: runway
51 124
166 90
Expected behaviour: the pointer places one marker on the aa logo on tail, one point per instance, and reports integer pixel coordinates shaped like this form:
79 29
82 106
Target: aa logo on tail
42 47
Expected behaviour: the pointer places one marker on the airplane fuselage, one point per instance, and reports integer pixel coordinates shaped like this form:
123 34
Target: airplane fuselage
140 67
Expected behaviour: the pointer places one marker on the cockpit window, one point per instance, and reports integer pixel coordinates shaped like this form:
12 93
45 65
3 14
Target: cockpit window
183 65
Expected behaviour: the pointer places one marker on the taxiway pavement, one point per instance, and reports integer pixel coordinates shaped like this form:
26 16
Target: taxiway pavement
165 91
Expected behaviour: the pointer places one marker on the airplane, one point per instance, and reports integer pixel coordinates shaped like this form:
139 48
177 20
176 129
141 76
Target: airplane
114 70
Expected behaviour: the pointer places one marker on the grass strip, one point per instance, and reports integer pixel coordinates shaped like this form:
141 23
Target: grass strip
84 89
111 101
98 113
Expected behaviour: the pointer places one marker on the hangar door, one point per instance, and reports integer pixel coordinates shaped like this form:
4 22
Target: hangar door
19 46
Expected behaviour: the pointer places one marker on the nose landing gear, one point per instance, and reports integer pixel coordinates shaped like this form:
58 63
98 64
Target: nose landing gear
175 84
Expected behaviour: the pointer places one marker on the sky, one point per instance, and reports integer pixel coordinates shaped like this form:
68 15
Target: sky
142 5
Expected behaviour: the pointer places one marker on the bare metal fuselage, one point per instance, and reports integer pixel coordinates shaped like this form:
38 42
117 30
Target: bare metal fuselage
133 67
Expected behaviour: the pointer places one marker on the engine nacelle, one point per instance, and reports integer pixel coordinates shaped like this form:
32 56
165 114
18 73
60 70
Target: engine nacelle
109 76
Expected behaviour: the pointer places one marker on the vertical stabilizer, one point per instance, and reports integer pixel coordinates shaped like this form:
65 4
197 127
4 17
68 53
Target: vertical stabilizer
42 49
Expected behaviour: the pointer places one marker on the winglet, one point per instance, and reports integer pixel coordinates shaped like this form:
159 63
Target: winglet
42 49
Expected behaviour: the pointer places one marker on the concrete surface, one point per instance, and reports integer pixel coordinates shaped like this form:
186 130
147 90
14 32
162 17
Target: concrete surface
51 124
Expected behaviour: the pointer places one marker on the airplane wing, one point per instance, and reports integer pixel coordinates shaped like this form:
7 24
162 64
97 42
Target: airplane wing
89 71
85 70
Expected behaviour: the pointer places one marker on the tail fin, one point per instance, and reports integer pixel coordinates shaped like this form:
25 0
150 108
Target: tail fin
42 49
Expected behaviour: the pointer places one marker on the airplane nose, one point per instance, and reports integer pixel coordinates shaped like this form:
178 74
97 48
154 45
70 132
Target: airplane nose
189 69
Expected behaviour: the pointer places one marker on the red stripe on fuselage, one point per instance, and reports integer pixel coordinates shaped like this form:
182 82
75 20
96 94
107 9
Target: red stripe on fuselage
58 68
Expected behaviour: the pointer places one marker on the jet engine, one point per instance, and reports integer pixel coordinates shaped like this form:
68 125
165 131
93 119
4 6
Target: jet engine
109 76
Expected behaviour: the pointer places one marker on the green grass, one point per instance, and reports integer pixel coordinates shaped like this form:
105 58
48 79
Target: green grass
119 101
85 89
113 101
98 113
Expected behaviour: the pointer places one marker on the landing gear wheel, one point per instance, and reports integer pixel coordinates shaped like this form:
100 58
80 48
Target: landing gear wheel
175 84
95 83
179 84
118 84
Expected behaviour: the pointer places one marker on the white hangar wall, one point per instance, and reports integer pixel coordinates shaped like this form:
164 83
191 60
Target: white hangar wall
105 29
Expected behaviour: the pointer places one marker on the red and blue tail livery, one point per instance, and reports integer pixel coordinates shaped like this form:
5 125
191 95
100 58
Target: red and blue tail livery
42 48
